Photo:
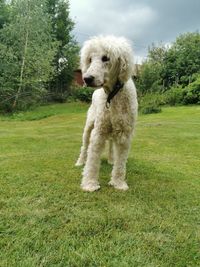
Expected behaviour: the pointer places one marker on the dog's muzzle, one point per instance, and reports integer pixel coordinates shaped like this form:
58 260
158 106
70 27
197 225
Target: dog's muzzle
89 80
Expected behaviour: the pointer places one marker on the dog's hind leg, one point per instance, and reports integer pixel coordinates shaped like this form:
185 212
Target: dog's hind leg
85 142
110 152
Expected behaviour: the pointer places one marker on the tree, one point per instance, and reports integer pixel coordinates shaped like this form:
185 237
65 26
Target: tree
4 13
28 50
149 79
156 53
182 60
172 66
66 58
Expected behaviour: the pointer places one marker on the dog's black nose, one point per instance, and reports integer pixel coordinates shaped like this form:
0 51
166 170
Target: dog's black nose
89 80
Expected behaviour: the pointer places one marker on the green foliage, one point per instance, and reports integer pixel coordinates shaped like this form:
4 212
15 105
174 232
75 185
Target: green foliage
83 94
192 93
8 74
38 55
173 66
170 76
149 77
157 53
174 96
187 95
4 13
150 103
27 54
151 99
66 59
182 60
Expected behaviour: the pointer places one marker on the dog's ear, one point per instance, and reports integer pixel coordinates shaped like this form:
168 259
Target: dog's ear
124 54
126 66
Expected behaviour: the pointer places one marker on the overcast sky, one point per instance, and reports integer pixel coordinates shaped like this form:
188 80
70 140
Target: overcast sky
141 21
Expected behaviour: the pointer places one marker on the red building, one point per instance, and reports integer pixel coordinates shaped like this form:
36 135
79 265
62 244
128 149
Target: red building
78 77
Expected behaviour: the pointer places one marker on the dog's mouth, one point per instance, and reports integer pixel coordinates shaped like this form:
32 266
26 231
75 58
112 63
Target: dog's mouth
98 86
93 85
92 81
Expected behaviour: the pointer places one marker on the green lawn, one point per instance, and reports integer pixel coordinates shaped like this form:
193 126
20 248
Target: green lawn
46 220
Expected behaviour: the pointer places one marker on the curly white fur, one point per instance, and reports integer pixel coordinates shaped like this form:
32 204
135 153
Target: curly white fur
115 123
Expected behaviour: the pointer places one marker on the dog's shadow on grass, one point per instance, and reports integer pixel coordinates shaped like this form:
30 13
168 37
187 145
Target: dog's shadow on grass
135 171
134 167
149 185
143 178
139 171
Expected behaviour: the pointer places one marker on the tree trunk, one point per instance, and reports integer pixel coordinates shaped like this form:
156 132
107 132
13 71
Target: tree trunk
21 72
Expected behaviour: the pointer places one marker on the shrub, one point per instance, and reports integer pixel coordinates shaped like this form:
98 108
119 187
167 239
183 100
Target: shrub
191 93
174 96
28 99
150 103
187 95
83 94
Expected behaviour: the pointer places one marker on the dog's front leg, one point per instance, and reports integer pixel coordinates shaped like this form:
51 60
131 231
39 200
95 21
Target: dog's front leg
91 170
119 168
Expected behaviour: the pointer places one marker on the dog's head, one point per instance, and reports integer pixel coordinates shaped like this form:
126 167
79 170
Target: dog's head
106 59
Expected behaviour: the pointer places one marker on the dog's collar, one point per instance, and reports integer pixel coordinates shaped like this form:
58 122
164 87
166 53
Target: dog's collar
118 85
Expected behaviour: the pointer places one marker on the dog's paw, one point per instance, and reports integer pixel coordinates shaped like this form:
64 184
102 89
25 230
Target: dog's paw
110 161
90 187
120 185
79 163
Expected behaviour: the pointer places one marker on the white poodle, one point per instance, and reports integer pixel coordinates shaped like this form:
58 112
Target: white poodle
107 63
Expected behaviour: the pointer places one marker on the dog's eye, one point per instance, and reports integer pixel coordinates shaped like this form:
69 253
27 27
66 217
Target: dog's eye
105 59
90 60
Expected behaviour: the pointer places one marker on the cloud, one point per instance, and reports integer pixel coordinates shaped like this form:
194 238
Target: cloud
105 17
143 22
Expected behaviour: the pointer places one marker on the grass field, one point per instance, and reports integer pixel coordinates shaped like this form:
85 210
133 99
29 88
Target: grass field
46 220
